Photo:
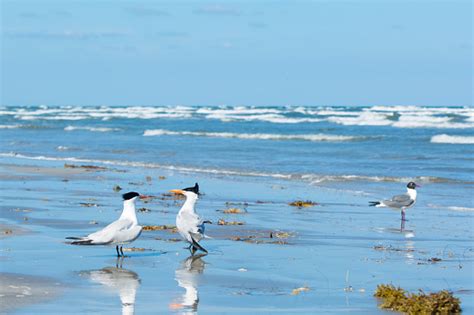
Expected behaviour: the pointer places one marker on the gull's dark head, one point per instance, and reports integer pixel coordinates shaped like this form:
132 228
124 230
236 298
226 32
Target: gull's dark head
130 195
412 185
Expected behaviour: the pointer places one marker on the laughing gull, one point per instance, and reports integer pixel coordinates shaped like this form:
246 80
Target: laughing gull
190 225
399 202
120 232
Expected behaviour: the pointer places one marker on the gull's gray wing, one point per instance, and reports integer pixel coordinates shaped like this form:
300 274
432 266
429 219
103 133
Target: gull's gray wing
399 201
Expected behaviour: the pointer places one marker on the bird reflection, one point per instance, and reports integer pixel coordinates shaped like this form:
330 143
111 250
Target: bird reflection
118 281
187 276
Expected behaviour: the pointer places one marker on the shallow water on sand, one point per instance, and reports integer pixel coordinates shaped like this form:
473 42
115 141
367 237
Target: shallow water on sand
340 249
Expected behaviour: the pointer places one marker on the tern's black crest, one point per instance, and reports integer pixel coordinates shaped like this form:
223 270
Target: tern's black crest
130 195
411 185
194 189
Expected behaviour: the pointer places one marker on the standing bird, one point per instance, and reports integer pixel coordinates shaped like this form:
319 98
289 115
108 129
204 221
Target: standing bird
400 202
190 225
120 232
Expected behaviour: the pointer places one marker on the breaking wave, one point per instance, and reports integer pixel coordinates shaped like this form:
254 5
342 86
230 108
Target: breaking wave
96 129
10 126
313 179
259 136
444 138
394 116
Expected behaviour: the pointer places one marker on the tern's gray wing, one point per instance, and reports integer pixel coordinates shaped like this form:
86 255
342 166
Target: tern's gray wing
399 201
107 234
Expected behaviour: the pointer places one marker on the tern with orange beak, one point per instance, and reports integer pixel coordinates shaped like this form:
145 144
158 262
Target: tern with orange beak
190 226
120 232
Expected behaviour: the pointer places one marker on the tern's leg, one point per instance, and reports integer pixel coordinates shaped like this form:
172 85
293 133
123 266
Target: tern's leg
121 251
117 249
118 262
197 246
403 214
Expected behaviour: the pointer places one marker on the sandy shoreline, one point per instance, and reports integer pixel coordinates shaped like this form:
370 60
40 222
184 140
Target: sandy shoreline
259 254
21 290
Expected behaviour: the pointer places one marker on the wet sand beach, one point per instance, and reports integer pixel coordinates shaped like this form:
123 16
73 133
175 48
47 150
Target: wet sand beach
265 256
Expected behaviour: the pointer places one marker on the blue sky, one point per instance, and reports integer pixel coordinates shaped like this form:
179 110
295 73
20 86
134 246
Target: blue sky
236 52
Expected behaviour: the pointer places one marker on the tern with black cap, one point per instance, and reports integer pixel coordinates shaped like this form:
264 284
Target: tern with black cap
190 226
399 202
120 232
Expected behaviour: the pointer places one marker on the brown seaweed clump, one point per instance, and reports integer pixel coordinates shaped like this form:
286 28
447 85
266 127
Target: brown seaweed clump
233 211
303 204
86 167
397 299
299 290
224 222
170 228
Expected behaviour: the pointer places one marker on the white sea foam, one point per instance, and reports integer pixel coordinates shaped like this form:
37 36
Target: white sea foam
421 109
396 116
239 110
183 169
461 209
444 138
310 178
97 129
10 126
104 113
416 121
273 118
318 178
363 119
260 136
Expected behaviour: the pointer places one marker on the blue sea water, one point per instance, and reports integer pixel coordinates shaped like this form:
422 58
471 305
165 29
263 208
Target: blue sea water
360 149
256 157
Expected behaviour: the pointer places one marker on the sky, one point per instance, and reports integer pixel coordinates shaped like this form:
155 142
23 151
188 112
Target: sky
251 53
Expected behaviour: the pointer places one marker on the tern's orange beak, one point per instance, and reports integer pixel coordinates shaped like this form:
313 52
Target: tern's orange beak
177 191
144 197
176 306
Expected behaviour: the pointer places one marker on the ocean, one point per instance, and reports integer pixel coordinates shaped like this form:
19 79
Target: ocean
359 149
270 256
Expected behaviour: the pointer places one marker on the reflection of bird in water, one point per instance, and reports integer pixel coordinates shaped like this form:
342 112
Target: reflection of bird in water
188 275
117 280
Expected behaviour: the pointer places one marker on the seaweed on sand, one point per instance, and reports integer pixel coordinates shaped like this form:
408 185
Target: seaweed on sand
397 299
170 228
224 222
302 203
233 211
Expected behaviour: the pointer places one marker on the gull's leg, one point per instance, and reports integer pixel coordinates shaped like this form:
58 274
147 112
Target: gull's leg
117 249
403 214
121 251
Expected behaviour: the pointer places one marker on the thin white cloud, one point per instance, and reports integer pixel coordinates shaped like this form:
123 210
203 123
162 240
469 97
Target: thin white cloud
65 34
218 9
146 12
